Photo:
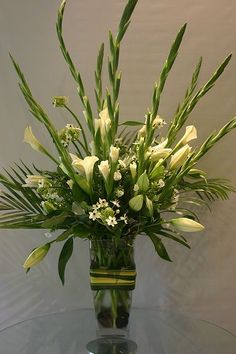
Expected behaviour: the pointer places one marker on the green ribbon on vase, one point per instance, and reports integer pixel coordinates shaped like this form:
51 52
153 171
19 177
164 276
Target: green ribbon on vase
101 279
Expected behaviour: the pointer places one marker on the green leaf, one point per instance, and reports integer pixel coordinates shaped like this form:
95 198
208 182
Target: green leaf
143 182
125 19
81 231
131 123
55 220
136 203
64 257
159 247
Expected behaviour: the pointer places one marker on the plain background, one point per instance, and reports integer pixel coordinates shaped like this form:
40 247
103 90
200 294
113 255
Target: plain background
200 282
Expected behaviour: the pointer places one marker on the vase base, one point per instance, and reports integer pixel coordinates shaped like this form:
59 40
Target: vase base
111 345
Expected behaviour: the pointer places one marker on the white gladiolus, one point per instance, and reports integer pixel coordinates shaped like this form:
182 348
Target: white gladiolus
158 122
117 176
33 181
190 134
142 131
85 166
178 159
103 123
104 169
114 153
186 225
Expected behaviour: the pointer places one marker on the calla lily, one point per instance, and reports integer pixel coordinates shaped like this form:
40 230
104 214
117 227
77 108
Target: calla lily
36 256
190 134
179 157
159 151
30 138
85 166
186 225
104 169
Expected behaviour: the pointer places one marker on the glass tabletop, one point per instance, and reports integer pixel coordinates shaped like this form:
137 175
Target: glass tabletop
151 332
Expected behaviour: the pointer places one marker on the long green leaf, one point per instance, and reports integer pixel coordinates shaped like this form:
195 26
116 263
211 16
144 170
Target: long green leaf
159 247
64 258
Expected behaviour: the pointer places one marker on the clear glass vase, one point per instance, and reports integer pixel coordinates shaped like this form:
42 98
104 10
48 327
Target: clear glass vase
112 279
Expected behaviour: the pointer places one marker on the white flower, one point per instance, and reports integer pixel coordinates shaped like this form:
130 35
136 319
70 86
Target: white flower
114 153
111 221
186 225
29 138
142 131
103 123
70 183
190 134
124 218
159 151
161 183
117 176
85 166
94 215
104 169
116 203
178 159
117 211
136 187
103 203
158 122
119 193
34 181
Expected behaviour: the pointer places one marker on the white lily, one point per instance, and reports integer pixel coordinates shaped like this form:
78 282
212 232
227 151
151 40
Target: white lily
178 159
186 225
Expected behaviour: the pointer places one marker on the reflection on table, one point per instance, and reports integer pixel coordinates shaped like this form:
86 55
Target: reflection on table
151 332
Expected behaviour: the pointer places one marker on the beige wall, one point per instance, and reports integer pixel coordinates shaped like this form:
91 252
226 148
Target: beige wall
200 282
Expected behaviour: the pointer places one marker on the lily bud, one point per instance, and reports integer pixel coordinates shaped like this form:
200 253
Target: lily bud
136 203
114 153
36 256
34 181
186 225
190 134
178 159
104 169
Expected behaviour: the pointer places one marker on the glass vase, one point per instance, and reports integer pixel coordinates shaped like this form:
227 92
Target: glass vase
112 280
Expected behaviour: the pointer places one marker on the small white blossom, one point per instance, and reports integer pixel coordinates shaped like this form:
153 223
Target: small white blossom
158 122
120 193
117 211
111 221
103 203
94 215
136 187
117 176
161 183
116 203
124 218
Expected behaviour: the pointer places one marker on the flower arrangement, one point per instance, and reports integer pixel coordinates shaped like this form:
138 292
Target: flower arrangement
124 178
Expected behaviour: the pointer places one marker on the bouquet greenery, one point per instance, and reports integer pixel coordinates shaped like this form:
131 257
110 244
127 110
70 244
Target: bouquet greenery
120 180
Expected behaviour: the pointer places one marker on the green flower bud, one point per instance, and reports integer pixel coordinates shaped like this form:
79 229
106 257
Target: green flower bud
143 182
186 225
36 256
136 203
60 101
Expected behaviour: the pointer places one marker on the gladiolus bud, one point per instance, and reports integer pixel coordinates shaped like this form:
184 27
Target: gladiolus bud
186 225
